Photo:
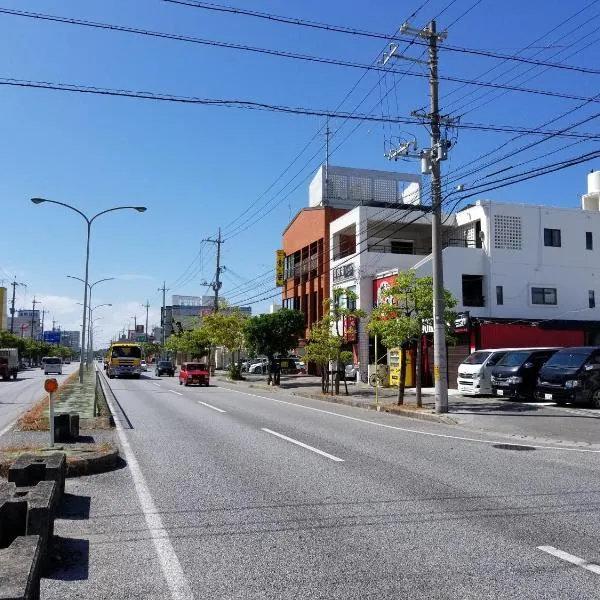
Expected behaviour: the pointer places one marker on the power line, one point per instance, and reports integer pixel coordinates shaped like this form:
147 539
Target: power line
358 32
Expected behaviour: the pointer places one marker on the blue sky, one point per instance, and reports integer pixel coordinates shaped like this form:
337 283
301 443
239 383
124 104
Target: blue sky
198 168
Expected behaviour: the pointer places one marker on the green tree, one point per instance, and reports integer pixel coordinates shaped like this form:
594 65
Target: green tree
322 347
227 329
399 321
274 334
193 343
342 310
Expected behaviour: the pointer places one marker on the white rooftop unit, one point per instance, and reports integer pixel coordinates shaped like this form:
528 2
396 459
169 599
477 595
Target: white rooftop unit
346 187
591 200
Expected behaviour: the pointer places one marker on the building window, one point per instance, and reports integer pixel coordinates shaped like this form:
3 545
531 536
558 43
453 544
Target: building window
472 290
591 299
543 295
402 247
499 295
589 241
552 237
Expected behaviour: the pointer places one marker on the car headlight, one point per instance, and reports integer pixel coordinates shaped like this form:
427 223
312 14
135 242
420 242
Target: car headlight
572 383
515 379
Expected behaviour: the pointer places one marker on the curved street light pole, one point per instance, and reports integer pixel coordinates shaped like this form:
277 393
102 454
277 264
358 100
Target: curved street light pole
89 222
90 288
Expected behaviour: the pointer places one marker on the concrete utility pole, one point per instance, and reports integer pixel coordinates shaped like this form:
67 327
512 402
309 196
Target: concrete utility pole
14 284
43 315
216 286
430 160
146 306
163 314
33 316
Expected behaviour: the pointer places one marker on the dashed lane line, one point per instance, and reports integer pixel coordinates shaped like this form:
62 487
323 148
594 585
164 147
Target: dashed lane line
571 558
303 445
211 406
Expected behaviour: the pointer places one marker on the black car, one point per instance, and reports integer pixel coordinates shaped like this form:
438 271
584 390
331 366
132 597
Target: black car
515 374
164 367
571 375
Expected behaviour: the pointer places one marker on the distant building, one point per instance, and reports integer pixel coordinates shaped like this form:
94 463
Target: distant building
71 339
274 308
24 321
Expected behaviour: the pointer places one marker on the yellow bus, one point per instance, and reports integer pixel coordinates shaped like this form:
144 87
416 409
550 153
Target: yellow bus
124 360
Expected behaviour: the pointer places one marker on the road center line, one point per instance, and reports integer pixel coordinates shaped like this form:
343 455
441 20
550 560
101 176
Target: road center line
406 429
211 406
170 565
303 445
174 392
580 562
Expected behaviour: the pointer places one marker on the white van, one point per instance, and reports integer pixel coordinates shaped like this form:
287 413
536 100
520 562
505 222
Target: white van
52 364
474 373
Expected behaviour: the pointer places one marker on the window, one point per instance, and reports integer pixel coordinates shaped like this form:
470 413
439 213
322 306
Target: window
591 299
589 241
499 295
552 237
402 247
543 295
472 290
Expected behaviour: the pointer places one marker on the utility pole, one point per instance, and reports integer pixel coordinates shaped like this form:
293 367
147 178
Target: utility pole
146 306
33 316
43 315
163 314
14 284
216 286
430 163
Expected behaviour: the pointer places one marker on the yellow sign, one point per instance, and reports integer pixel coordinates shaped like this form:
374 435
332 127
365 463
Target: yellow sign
280 268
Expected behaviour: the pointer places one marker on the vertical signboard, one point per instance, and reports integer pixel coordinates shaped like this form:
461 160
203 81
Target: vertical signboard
280 268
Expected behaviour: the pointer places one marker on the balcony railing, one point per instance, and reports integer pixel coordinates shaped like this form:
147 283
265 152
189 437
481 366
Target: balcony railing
390 248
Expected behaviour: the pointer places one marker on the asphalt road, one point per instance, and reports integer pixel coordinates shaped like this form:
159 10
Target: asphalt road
17 395
229 494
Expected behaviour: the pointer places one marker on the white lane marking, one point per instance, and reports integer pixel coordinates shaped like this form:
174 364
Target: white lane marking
303 445
211 406
156 384
174 392
580 562
407 430
7 428
170 565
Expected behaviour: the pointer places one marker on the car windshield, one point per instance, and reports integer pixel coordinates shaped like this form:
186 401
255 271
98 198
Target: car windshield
52 361
514 359
164 363
477 358
567 359
126 352
196 367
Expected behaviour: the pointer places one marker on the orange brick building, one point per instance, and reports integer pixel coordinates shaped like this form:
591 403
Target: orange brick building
306 246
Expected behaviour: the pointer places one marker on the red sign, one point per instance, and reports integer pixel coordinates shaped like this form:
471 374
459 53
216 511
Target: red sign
50 385
381 284
349 329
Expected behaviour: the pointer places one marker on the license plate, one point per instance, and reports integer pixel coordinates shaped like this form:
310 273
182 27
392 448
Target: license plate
547 396
500 392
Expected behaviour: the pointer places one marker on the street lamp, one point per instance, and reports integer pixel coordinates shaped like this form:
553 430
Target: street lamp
89 222
90 348
90 288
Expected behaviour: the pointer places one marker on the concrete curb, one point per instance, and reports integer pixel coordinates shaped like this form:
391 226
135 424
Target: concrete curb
420 414
89 464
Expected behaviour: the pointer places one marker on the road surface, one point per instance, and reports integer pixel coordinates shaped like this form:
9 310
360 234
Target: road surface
231 494
17 396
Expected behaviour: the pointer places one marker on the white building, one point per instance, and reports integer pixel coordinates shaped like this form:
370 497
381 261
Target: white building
503 262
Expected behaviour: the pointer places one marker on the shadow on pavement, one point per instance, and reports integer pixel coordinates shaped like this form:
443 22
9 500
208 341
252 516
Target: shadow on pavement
74 507
69 559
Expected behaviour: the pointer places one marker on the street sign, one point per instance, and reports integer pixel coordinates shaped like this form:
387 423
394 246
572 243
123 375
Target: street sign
140 338
52 337
50 385
280 268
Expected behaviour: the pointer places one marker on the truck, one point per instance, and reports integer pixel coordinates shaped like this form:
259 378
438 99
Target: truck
124 360
9 363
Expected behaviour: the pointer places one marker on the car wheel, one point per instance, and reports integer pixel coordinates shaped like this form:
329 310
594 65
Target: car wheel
180 382
596 399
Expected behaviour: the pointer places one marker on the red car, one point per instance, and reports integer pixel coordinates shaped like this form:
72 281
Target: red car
193 373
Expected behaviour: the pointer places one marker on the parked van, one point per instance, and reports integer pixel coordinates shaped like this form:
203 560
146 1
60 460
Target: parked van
571 375
52 364
515 374
474 373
